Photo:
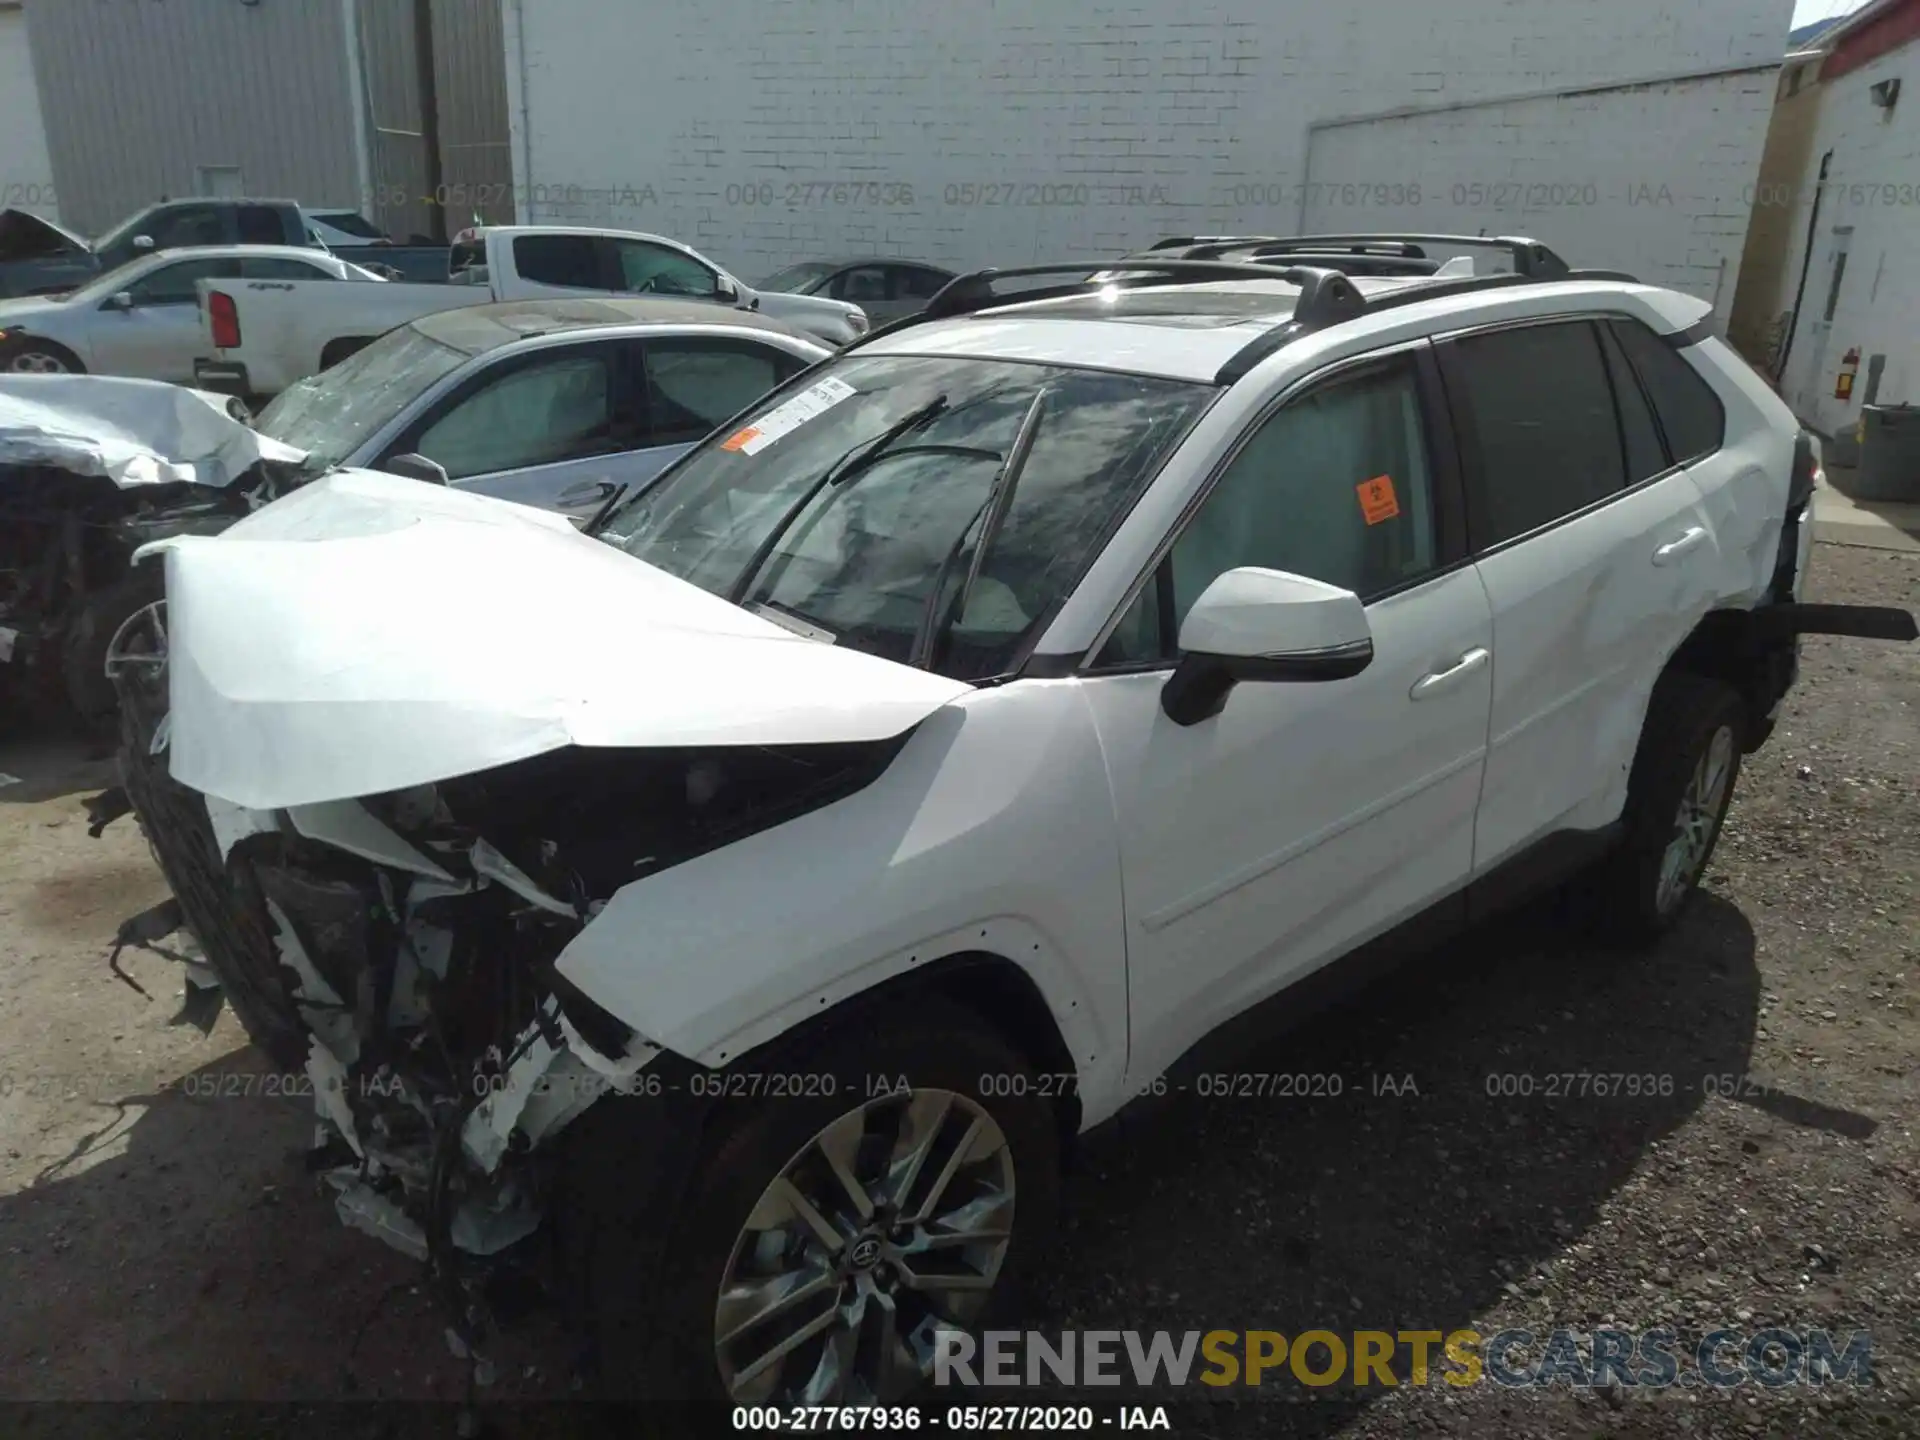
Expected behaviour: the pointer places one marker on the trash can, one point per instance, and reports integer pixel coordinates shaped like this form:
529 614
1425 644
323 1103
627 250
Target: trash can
1889 453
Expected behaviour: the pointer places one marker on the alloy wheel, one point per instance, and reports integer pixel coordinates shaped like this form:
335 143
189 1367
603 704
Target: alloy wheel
886 1228
1701 805
36 362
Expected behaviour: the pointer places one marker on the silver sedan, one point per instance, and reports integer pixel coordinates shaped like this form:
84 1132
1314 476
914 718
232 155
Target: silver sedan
143 319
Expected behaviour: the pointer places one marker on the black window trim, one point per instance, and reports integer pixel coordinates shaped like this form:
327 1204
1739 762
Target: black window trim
627 369
599 247
1450 368
191 299
1445 476
1610 348
1678 345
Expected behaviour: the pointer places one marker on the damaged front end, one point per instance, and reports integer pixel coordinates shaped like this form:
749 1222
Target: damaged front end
400 951
93 468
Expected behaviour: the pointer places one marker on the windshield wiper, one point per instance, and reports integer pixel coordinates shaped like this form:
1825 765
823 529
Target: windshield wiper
619 494
842 470
991 515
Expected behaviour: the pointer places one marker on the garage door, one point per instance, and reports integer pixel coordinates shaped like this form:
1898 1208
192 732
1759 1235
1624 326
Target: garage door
1607 178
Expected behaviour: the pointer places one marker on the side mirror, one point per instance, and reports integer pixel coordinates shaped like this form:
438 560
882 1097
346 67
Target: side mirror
1263 625
725 289
143 242
413 466
119 300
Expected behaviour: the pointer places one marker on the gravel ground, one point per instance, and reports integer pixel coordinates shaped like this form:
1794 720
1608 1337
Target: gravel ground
159 1239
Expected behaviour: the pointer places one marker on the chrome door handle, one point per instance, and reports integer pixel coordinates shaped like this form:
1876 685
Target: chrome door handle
1441 680
1693 539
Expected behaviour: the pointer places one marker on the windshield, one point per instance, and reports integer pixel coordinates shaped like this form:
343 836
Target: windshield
347 222
857 557
123 233
796 278
111 282
330 415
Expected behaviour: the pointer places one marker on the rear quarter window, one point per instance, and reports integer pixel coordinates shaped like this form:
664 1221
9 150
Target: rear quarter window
559 260
1691 416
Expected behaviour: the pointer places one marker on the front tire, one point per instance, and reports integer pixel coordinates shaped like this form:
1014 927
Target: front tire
830 1232
39 357
1678 794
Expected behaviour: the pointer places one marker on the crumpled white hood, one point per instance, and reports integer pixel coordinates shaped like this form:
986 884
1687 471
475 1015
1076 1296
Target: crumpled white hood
368 632
134 432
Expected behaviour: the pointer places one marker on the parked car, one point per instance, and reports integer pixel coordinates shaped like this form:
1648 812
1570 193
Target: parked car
774 879
260 343
555 403
886 289
40 257
92 468
143 319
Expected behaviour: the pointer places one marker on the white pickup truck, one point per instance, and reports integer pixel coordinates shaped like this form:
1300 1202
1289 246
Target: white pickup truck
263 336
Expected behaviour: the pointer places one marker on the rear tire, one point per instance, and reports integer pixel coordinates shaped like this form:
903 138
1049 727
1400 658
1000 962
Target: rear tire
659 1339
1678 794
337 350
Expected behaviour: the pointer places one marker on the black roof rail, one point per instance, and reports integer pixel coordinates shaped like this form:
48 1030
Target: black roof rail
1326 296
1285 245
1352 262
1530 257
1184 242
1278 338
1347 262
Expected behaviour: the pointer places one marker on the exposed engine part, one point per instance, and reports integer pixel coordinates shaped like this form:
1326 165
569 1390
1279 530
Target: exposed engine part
401 949
67 577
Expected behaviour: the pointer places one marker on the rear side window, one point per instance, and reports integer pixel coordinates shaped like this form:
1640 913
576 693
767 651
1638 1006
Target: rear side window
1535 404
264 267
559 260
1691 416
1646 454
918 284
260 225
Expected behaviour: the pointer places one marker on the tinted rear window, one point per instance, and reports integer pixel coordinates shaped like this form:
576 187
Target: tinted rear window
559 260
1691 416
1537 402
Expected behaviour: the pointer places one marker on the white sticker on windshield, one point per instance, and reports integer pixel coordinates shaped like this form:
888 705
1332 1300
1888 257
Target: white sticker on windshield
784 419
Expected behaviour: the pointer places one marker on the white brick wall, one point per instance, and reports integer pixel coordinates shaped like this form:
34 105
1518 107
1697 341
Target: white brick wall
1112 125
1874 187
26 174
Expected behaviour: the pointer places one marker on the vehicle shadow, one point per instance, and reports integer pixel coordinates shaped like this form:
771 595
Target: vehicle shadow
1463 1150
179 1250
48 761
183 1231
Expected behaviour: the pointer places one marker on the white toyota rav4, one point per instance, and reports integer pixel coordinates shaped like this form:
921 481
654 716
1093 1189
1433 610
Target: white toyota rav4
755 895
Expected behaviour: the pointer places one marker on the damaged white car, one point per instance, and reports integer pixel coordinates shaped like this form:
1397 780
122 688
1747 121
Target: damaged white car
750 900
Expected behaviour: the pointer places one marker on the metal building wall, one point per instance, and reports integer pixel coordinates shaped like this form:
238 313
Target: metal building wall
470 74
137 93
400 177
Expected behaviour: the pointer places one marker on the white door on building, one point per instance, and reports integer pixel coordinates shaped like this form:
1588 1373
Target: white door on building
219 182
1816 385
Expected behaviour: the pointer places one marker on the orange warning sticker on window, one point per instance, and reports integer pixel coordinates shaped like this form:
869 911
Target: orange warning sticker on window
740 439
1377 500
